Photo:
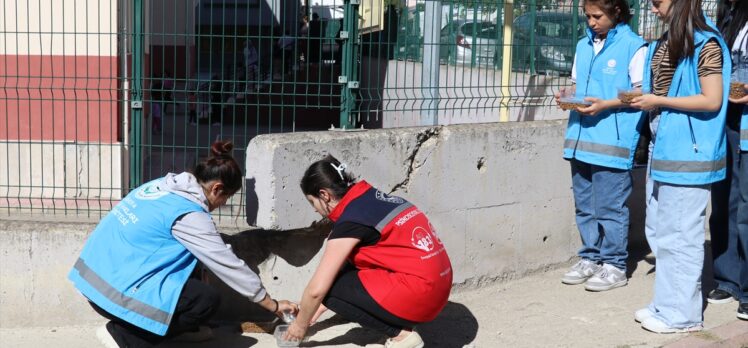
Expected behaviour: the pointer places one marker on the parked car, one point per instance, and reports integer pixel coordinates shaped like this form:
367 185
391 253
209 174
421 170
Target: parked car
469 42
554 41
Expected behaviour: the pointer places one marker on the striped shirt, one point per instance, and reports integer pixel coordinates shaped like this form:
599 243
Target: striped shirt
710 62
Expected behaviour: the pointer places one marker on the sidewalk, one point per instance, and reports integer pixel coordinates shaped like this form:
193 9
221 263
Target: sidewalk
535 311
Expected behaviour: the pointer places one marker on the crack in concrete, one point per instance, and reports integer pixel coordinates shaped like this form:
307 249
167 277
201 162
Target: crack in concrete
79 166
421 138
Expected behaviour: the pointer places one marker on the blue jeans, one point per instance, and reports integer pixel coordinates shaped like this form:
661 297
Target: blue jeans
728 263
675 232
742 222
602 216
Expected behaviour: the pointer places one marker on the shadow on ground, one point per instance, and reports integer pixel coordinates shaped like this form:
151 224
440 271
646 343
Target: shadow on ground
223 336
454 327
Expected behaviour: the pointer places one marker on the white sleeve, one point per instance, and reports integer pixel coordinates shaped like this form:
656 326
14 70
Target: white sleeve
574 70
636 67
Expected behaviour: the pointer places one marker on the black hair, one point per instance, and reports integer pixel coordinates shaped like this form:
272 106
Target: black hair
731 17
327 173
221 166
685 17
623 15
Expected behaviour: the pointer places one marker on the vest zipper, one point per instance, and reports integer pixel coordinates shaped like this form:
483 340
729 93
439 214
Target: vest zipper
693 136
618 135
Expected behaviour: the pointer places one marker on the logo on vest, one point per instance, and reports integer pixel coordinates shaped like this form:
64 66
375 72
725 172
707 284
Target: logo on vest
389 199
422 239
611 69
150 192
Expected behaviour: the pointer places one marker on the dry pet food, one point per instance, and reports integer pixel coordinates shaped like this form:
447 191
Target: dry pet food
572 103
627 96
737 90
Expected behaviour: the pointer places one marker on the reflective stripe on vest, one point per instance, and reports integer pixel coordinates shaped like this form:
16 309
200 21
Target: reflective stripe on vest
609 150
119 298
391 215
688 166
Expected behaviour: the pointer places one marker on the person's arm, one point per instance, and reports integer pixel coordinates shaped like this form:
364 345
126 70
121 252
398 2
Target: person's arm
197 232
710 79
336 252
636 72
709 100
599 105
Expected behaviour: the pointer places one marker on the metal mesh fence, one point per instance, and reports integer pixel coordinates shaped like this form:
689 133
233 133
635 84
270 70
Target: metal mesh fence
98 97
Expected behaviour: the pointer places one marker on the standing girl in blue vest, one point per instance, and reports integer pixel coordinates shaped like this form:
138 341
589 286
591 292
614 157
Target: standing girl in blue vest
383 266
135 267
688 76
600 142
728 224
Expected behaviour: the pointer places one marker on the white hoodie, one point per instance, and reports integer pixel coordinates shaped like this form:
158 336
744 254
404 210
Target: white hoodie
198 233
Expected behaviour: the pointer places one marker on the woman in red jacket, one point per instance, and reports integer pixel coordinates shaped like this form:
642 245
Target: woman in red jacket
383 266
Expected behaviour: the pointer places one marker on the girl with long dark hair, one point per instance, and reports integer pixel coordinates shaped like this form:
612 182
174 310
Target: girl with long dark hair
688 75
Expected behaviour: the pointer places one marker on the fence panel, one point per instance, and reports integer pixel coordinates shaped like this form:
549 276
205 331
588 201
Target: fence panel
472 86
101 96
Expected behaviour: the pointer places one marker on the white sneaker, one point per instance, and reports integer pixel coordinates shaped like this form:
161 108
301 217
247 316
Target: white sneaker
606 278
580 272
105 337
655 325
413 340
642 315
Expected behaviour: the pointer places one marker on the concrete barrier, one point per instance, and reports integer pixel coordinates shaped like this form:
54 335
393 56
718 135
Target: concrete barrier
498 194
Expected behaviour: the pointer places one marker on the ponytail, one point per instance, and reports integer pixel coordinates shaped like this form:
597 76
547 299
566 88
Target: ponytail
221 166
327 173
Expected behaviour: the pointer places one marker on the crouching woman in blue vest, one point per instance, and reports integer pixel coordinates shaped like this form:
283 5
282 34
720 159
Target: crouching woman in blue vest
600 143
688 73
135 267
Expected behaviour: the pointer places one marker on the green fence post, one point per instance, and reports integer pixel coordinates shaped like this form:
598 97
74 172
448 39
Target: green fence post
349 77
136 97
417 25
533 12
474 33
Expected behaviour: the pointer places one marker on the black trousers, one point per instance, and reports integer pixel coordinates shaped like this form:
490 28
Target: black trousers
349 299
197 303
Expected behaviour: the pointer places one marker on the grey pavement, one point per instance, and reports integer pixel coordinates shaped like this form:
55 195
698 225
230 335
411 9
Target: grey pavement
533 311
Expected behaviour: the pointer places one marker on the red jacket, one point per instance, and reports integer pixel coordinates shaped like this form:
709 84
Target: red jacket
407 271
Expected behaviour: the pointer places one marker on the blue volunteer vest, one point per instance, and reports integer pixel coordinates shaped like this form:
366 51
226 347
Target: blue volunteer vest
609 138
131 265
689 147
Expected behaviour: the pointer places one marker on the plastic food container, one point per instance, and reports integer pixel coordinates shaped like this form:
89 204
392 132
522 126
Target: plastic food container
568 101
573 103
737 89
627 95
280 330
738 80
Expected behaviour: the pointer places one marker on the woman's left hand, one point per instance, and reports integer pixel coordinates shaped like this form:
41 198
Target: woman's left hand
595 108
295 332
647 102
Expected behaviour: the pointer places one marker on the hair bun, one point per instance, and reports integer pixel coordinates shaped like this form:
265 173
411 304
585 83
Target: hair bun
221 148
